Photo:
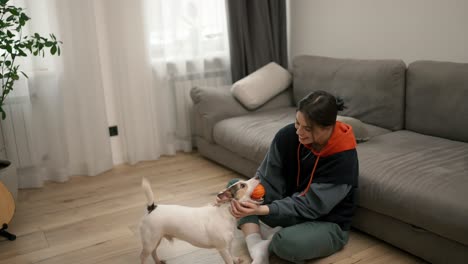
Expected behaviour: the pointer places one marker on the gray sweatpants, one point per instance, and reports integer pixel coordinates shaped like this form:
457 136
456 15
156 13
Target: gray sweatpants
301 240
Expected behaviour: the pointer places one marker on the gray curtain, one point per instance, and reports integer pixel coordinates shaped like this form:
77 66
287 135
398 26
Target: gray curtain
257 35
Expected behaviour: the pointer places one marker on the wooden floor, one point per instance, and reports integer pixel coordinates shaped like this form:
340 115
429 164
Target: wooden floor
95 219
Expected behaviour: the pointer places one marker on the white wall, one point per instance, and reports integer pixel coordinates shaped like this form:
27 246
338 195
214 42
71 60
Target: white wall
379 29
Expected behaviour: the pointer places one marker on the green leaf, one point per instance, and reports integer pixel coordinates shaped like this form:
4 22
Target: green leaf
24 17
14 11
21 53
9 34
25 75
53 50
8 63
3 2
3 113
58 49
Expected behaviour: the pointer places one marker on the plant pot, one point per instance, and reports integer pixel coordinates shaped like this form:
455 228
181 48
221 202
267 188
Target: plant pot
9 177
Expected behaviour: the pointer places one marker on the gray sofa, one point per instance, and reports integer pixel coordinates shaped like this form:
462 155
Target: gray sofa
413 170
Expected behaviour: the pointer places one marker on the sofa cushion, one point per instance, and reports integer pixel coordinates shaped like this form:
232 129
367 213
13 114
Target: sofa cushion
212 104
260 86
376 130
373 90
250 136
360 130
421 180
363 131
437 99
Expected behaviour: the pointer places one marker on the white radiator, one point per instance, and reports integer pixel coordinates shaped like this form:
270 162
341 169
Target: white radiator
31 122
16 128
216 74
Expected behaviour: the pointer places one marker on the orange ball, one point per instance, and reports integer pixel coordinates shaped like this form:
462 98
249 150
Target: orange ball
258 192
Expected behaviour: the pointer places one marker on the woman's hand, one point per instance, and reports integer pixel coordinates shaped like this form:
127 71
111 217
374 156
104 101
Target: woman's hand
244 209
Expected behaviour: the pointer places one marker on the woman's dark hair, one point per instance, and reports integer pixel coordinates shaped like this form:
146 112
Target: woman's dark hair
321 108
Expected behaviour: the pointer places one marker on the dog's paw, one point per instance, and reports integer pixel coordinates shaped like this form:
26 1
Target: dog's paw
237 260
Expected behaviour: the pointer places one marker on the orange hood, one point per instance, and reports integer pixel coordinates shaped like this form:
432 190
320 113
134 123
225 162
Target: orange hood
341 140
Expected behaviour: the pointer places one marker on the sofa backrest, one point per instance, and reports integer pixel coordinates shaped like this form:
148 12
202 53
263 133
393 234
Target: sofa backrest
373 90
437 99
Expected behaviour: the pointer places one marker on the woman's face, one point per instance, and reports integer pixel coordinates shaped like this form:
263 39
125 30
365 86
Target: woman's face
316 135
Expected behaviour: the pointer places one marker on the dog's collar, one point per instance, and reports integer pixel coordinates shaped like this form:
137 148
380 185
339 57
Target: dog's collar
151 208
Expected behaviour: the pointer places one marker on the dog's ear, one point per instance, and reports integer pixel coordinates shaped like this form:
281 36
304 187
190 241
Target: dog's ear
228 194
225 195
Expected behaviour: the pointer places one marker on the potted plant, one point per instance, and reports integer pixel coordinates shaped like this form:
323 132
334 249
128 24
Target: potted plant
13 44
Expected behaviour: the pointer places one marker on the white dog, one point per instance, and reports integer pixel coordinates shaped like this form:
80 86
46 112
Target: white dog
210 226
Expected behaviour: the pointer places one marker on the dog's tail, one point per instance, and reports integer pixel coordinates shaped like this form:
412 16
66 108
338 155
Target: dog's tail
149 195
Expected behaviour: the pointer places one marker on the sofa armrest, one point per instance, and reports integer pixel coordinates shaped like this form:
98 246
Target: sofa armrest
213 104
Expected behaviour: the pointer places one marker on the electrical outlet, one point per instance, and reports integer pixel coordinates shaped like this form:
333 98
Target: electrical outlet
113 131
